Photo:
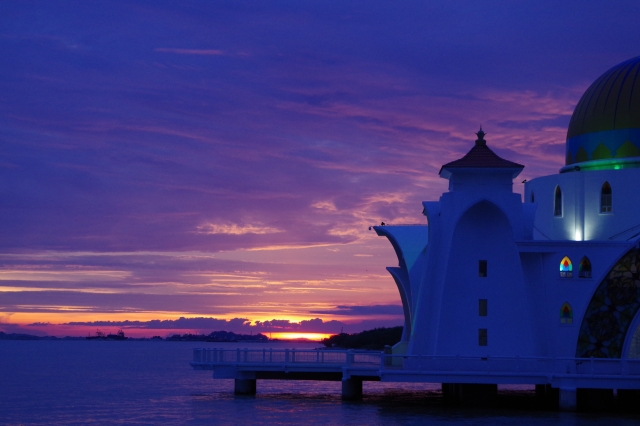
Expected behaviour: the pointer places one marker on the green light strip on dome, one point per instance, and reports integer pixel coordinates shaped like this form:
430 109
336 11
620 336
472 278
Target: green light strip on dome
610 166
627 163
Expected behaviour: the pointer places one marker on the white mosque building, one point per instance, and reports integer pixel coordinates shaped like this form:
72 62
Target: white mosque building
498 289
554 275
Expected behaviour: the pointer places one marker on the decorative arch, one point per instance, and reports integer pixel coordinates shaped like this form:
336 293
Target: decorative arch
557 202
611 310
631 348
606 198
484 205
566 314
584 268
566 268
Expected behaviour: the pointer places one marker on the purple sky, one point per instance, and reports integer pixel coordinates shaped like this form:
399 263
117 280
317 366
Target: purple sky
224 159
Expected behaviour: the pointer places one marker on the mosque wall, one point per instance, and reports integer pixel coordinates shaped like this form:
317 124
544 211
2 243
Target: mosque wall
484 292
582 217
550 290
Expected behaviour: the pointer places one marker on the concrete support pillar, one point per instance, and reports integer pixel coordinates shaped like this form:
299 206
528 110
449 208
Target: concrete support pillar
351 389
245 387
567 399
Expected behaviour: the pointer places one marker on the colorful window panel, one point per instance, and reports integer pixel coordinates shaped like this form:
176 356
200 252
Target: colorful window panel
566 314
584 268
566 268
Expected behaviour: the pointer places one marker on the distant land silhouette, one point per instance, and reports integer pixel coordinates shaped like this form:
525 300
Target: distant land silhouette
220 336
17 336
216 336
375 339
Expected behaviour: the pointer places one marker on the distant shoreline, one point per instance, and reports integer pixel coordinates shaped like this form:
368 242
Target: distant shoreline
214 337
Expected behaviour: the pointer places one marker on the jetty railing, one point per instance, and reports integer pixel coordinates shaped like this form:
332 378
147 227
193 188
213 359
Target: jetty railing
284 356
387 362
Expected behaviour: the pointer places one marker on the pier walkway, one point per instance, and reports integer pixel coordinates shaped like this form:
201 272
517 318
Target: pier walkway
564 375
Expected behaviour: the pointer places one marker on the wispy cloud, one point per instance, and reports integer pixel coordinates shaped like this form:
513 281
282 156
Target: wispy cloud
234 229
362 310
205 52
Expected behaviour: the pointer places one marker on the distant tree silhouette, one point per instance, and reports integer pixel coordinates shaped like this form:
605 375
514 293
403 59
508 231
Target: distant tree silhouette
368 339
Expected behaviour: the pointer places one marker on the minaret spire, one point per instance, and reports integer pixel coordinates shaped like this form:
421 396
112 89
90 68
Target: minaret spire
480 133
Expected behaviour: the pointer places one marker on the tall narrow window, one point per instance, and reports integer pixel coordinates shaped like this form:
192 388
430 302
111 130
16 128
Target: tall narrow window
482 268
533 197
482 307
566 314
584 269
557 203
566 268
605 198
482 337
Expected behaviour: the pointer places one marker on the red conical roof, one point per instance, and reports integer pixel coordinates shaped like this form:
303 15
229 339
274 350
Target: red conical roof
481 156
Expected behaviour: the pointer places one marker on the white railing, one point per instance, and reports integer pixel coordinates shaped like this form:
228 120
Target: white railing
433 364
284 356
525 365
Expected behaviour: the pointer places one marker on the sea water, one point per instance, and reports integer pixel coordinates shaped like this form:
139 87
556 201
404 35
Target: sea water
151 382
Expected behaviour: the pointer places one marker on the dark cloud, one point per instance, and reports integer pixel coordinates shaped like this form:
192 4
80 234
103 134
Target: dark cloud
238 325
363 310
180 323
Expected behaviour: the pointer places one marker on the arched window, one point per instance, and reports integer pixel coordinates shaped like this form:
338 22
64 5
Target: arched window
566 314
533 198
605 198
566 268
557 204
584 269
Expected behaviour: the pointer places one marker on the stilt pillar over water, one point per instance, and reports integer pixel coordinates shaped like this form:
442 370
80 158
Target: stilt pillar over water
245 387
351 389
567 399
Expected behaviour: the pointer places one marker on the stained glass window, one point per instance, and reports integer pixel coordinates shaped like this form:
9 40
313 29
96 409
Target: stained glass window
566 268
605 198
584 269
557 204
566 314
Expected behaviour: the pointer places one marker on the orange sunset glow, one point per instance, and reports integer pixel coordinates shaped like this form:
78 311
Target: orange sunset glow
316 337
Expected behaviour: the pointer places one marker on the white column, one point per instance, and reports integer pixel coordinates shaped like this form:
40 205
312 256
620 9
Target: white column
567 399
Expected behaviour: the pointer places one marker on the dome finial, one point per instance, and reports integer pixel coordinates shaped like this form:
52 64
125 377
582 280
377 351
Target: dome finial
480 134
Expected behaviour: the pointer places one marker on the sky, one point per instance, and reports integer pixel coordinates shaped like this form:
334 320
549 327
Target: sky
171 167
